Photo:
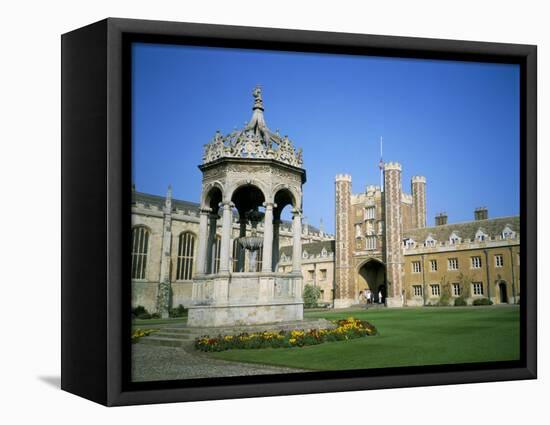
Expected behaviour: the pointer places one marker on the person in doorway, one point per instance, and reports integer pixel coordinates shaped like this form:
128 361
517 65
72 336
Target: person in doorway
380 297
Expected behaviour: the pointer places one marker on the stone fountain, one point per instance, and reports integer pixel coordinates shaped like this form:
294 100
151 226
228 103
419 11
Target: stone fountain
253 243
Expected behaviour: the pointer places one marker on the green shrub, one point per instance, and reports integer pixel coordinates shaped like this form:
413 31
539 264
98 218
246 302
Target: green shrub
460 302
179 311
136 311
445 297
483 301
311 295
155 316
144 316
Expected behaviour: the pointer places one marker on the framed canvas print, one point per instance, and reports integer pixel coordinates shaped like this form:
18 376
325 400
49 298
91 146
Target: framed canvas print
252 212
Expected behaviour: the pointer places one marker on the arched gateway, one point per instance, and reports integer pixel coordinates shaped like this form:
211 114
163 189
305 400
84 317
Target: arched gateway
252 173
372 277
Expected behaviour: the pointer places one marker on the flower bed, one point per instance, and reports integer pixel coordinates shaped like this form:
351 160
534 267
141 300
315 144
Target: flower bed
349 328
138 333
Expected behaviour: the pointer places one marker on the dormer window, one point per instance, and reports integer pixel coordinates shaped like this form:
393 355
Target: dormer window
454 239
508 233
481 236
410 243
430 241
324 252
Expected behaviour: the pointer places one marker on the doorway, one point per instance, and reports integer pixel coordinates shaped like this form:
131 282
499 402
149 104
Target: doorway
503 293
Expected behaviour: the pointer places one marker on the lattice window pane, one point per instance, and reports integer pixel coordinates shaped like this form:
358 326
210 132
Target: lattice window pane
140 247
186 256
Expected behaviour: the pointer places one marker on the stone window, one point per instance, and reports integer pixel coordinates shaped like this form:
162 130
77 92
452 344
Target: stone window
416 267
371 242
477 288
310 274
476 262
417 290
305 255
370 213
456 290
186 256
499 260
140 248
323 274
433 265
452 264
324 252
436 290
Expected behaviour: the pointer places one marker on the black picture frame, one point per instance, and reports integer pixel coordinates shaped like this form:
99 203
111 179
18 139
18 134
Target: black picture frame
96 210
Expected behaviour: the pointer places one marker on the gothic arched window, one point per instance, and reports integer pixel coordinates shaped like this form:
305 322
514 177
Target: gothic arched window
140 248
186 256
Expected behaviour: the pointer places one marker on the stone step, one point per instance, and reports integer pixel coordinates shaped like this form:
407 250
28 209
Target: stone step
180 336
183 336
164 341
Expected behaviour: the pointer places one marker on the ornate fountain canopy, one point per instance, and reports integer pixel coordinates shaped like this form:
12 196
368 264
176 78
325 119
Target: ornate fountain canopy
255 140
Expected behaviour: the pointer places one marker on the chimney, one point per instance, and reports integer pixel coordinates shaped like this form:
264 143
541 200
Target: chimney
481 213
441 219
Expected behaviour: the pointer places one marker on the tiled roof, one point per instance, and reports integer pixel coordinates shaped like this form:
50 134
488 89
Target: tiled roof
493 227
155 200
313 248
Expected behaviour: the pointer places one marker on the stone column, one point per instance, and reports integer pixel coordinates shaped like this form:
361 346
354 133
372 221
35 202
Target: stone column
267 250
275 250
418 191
203 242
296 241
210 254
226 236
240 250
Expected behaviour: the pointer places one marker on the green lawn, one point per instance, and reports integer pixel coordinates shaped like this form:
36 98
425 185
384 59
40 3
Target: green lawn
407 337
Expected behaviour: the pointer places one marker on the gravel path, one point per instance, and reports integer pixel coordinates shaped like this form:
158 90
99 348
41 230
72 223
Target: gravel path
153 363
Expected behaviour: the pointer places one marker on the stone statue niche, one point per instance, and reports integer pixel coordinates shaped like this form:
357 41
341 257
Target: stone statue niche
237 282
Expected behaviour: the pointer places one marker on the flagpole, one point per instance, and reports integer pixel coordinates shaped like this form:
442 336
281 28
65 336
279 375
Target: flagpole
381 166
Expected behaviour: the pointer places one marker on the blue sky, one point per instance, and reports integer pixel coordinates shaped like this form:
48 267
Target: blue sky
457 123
